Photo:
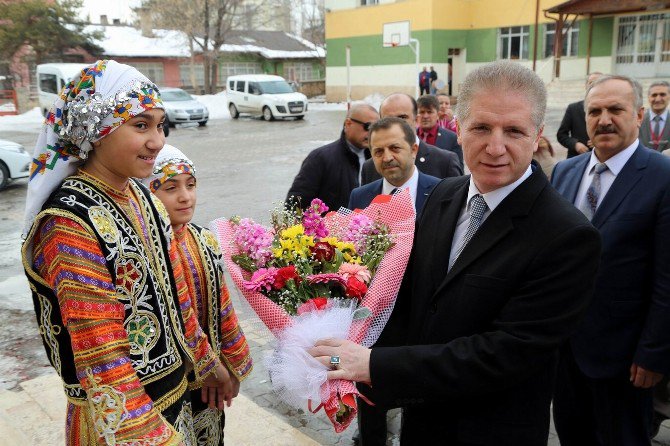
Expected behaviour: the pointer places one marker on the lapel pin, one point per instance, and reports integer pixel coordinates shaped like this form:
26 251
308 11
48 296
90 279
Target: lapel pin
422 159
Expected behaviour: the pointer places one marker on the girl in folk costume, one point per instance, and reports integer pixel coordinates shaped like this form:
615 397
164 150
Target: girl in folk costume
112 304
174 182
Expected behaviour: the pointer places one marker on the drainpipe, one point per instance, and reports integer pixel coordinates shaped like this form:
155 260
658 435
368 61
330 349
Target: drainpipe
588 47
537 19
348 56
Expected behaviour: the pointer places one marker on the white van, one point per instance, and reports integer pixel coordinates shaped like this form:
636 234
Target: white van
264 94
51 78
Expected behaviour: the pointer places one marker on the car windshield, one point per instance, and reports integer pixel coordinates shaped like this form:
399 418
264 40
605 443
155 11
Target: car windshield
175 95
275 87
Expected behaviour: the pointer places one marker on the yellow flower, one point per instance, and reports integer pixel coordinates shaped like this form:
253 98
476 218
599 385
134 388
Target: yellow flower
293 232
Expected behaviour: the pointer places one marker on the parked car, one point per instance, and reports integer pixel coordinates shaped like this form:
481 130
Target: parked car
181 107
51 78
266 95
14 162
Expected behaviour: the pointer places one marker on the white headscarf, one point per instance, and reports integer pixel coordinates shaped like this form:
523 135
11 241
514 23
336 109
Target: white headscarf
94 104
170 162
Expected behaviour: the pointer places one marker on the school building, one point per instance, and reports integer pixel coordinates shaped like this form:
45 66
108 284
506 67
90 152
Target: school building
371 43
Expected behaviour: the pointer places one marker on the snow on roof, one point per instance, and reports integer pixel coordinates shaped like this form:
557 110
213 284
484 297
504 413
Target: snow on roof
128 41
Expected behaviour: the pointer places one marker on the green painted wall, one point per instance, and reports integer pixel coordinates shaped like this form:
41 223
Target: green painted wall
481 45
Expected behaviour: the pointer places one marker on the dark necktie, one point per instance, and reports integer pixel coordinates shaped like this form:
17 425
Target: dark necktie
394 190
656 137
478 208
593 192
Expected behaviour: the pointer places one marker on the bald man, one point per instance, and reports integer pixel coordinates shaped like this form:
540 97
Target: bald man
332 171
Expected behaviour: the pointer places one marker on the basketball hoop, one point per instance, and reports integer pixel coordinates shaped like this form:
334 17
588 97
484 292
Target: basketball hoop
390 44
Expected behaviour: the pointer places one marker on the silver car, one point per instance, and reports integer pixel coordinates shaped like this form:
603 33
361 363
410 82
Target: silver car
14 162
180 107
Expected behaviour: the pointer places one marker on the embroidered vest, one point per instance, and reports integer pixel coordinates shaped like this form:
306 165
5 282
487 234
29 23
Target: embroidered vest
142 275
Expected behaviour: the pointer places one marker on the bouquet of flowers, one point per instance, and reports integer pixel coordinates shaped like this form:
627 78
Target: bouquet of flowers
310 277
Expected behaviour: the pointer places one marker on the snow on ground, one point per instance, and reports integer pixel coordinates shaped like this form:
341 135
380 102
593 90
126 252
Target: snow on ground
30 121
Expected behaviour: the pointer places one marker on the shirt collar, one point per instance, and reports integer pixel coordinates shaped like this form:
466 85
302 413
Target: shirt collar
616 163
663 115
495 197
358 152
412 183
428 133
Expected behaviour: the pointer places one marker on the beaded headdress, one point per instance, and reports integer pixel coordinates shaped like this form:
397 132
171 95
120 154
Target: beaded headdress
170 162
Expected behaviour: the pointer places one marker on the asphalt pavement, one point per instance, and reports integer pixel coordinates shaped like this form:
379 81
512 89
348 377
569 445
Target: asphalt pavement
244 167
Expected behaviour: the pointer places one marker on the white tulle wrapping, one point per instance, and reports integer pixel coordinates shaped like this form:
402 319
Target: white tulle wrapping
296 376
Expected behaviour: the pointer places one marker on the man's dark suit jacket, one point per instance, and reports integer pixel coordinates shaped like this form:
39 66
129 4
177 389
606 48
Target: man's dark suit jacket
573 128
447 140
330 173
482 338
629 317
362 196
645 134
429 159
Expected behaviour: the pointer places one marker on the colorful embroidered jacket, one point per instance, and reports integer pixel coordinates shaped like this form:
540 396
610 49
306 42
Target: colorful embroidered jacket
203 268
114 313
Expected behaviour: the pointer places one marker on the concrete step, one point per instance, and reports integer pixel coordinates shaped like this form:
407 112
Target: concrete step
560 93
36 416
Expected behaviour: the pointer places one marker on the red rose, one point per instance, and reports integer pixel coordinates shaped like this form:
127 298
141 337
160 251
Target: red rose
323 251
284 275
356 288
317 303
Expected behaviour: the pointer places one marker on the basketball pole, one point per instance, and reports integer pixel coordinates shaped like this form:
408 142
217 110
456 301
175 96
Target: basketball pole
348 58
417 51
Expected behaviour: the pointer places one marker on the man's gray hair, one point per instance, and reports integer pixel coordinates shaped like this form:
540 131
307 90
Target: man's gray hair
502 76
638 102
665 84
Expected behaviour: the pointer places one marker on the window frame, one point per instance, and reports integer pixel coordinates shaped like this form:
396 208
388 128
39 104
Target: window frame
507 33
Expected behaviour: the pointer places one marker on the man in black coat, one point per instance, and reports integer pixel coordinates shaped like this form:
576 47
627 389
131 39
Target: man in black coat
331 172
572 131
429 159
499 277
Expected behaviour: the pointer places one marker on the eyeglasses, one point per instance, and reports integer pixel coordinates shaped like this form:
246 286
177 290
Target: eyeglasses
365 125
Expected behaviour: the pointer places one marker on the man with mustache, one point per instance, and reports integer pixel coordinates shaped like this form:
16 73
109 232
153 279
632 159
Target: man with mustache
654 133
608 368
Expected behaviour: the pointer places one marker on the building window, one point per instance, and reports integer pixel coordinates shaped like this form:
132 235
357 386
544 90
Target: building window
300 71
152 70
570 40
185 74
233 68
369 2
513 42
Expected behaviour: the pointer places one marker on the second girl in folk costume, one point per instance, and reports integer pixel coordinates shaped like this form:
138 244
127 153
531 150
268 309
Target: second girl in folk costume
174 182
112 304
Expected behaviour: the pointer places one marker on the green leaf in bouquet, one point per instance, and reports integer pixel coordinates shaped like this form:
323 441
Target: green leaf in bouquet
245 262
362 313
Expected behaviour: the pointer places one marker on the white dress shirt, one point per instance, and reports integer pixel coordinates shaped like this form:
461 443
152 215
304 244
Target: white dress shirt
614 166
492 199
412 184
661 123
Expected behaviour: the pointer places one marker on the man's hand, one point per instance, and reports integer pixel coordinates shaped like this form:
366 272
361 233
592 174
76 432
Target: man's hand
354 359
218 387
581 148
644 378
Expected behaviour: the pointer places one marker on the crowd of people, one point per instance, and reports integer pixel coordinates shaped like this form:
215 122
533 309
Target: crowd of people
531 280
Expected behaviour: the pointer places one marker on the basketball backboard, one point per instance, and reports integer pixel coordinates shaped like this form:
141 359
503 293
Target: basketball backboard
396 34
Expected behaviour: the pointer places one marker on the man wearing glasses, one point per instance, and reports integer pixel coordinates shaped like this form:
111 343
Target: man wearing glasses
429 159
331 172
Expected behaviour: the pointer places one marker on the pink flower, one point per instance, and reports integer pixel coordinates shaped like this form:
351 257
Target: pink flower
360 227
312 220
326 278
254 240
317 303
360 272
263 279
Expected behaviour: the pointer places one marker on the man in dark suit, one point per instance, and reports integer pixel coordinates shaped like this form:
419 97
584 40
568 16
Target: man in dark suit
430 132
332 171
499 277
572 131
622 348
654 131
429 159
393 150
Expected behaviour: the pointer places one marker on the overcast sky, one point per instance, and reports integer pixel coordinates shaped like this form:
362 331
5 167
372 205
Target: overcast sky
116 9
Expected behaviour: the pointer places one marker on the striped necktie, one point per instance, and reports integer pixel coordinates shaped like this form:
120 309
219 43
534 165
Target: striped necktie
478 208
